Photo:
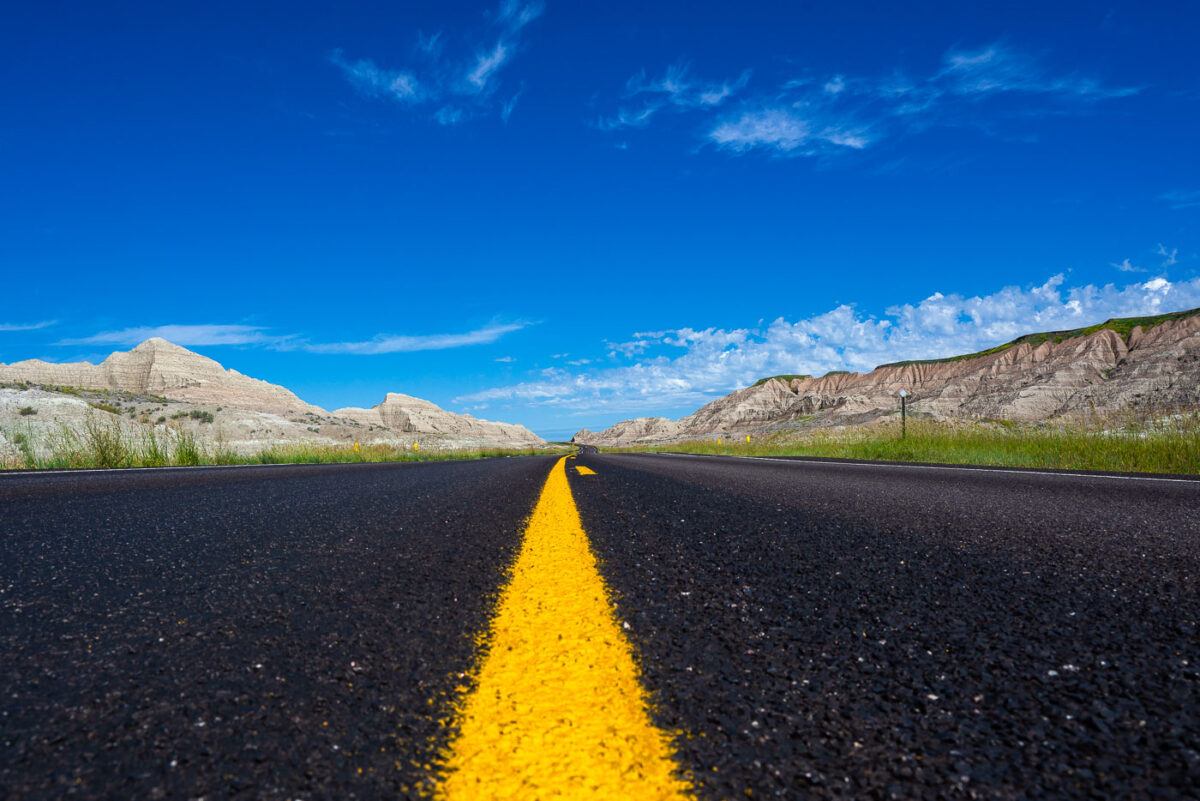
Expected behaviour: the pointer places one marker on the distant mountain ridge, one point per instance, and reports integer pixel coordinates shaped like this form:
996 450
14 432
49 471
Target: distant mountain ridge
161 368
1107 367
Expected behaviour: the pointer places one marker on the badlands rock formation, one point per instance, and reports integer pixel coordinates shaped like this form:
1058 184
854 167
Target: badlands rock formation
248 414
158 367
412 415
1156 366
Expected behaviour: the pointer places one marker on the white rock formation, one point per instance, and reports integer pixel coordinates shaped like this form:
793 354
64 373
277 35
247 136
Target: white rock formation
250 415
158 367
407 414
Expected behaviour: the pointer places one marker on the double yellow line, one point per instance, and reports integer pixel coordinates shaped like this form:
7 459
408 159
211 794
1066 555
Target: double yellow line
558 710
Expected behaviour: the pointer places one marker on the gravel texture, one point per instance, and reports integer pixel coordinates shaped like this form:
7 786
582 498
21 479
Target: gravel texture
816 630
821 630
283 632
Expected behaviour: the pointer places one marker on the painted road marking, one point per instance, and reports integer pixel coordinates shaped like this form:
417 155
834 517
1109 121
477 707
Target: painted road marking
584 471
558 710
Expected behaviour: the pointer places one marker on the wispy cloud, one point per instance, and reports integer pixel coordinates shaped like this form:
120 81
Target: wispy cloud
455 87
211 335
996 68
1170 257
1182 200
27 326
686 367
1126 266
807 115
399 343
785 131
186 335
675 89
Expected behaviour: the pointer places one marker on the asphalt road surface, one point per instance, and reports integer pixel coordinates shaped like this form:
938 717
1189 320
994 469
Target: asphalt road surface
802 629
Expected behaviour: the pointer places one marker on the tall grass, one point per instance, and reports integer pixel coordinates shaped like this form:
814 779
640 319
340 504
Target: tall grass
1124 443
104 441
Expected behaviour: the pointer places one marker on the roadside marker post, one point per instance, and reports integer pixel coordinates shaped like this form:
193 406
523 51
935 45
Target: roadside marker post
903 414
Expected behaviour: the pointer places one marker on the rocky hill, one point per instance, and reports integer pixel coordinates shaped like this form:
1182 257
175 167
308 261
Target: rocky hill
1108 367
159 367
160 383
408 414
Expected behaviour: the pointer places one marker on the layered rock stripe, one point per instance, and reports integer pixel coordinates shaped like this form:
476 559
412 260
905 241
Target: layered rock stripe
800 629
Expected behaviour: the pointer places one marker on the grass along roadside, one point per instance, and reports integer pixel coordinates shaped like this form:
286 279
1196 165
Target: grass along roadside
1164 444
107 443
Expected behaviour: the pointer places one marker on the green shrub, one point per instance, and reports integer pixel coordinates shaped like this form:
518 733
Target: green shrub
25 411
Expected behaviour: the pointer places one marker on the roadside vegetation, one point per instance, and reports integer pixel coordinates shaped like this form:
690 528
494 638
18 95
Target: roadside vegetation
104 442
1135 442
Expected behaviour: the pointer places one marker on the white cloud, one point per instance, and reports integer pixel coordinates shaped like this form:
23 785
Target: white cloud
399 343
1182 200
807 116
1169 256
997 68
687 367
774 128
506 109
486 65
506 359
198 335
784 131
675 89
376 82
515 15
1126 266
445 82
835 85
26 326
185 335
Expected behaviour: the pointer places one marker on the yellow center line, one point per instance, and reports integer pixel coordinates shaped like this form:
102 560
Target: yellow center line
558 710
584 471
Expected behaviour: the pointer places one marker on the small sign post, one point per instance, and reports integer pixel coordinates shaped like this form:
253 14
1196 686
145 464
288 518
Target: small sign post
903 414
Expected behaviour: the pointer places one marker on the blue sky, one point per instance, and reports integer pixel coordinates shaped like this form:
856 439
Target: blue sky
567 214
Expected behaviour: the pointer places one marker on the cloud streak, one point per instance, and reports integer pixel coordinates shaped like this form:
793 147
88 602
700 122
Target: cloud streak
675 89
27 326
686 367
1182 200
811 116
399 343
453 88
213 335
185 335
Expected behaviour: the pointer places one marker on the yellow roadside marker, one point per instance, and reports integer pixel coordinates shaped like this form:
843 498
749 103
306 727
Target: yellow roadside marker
584 471
558 710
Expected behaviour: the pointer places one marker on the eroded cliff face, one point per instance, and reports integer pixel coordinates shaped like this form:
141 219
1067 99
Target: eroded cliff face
405 413
1101 371
159 367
